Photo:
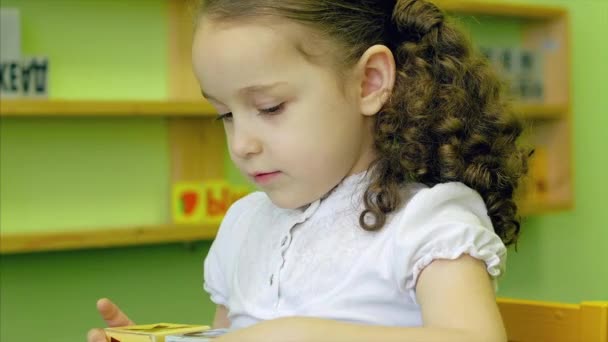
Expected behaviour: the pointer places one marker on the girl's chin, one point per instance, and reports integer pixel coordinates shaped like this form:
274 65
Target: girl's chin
286 201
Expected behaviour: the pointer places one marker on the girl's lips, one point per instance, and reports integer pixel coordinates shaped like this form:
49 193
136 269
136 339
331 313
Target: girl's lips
265 178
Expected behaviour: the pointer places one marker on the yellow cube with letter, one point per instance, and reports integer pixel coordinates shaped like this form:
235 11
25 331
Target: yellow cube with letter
150 332
204 202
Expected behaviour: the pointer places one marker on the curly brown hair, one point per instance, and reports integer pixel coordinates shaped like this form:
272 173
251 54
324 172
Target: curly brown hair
447 118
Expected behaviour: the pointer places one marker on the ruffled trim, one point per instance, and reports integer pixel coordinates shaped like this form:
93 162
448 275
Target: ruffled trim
213 279
494 259
215 296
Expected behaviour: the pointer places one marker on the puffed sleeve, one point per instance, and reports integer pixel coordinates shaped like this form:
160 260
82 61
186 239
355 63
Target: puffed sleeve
222 253
444 222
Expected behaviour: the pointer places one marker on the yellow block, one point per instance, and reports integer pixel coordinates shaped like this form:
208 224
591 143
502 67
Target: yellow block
204 202
150 332
218 196
188 202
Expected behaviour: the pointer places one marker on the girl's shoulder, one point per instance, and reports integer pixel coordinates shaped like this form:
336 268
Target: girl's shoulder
424 202
443 221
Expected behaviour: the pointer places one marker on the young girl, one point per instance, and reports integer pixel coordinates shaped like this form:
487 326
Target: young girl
387 163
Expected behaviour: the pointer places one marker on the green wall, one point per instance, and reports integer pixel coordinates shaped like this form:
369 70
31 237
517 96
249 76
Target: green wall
116 50
563 256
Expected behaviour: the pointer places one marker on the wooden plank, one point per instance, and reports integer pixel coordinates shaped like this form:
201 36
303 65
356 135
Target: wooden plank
551 39
594 321
556 136
529 207
537 321
548 185
197 148
528 321
102 238
182 83
34 108
500 9
551 166
541 111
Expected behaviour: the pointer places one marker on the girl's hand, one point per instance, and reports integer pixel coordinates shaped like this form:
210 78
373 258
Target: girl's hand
113 316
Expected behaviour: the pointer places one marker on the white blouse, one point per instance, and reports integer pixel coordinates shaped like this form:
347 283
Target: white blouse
267 262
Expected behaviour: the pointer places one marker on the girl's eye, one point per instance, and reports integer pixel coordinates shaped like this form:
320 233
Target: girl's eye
224 117
273 110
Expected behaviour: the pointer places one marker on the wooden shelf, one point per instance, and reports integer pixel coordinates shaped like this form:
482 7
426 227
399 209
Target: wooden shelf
541 111
529 208
501 9
101 238
54 108
197 144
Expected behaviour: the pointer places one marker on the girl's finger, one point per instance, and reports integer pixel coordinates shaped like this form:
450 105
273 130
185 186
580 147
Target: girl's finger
96 335
112 314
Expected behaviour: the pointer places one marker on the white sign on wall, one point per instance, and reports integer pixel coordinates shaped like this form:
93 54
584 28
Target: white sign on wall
10 34
19 76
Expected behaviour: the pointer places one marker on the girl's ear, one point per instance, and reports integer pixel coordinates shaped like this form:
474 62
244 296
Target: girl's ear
376 68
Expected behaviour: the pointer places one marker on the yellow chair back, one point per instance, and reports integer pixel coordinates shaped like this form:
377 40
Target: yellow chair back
536 321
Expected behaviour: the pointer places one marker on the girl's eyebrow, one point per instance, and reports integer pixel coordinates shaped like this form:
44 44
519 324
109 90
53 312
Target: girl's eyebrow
260 87
249 89
208 97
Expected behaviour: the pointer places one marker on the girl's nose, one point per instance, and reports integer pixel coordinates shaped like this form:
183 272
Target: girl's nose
245 143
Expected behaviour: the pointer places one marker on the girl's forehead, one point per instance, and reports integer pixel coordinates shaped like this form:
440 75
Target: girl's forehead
250 50
262 31
271 36
239 50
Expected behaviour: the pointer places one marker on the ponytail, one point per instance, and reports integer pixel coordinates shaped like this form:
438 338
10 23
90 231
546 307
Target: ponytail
447 120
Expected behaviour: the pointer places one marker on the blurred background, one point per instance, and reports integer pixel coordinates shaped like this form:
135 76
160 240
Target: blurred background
90 158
